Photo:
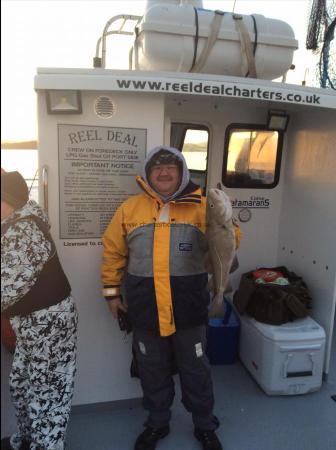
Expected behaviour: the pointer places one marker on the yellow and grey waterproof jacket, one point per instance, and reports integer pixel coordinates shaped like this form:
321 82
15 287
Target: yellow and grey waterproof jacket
158 249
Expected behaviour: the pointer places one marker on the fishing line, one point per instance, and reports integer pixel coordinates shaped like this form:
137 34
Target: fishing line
32 183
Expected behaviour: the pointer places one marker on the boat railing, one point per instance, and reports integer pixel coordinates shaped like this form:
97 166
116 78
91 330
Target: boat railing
100 61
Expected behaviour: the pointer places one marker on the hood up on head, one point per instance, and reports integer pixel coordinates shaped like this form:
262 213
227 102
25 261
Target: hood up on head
185 178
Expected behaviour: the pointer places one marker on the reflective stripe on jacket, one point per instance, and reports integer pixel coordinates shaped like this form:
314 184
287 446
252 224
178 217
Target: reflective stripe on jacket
163 262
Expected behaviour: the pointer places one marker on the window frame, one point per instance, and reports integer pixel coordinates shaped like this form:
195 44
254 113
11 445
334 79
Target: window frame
277 168
190 126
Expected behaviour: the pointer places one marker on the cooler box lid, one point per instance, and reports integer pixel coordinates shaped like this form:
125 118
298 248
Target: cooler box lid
301 329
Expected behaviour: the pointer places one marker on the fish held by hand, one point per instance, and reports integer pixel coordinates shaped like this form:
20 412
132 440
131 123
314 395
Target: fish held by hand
221 242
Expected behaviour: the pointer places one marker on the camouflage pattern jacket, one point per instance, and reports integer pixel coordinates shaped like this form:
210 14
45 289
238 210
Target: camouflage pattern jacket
31 275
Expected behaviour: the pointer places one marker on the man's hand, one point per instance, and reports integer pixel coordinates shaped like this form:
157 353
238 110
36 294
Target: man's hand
115 304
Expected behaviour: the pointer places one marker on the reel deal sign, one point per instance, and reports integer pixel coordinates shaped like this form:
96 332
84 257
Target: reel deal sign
97 169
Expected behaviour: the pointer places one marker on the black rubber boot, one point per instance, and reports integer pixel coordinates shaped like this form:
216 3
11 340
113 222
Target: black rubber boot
148 439
5 444
208 438
25 445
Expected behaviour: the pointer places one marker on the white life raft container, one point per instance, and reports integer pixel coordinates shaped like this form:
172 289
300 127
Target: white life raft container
182 38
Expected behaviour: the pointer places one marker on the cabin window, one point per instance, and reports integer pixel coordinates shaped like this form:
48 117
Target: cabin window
252 157
195 149
193 141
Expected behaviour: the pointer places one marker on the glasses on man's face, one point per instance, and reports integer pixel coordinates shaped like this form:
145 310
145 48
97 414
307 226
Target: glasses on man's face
168 167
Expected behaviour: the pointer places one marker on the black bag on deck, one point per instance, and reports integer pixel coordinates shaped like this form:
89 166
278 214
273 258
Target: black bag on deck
272 303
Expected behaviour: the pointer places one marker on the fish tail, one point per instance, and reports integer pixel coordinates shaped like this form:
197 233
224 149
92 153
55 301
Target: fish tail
217 307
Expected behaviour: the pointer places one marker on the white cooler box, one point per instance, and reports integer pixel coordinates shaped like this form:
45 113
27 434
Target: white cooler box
284 359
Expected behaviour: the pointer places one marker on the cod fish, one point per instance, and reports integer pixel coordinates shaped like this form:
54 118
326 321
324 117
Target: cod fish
221 242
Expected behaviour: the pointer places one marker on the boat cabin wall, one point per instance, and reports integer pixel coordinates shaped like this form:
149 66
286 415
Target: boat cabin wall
104 352
307 232
259 245
296 223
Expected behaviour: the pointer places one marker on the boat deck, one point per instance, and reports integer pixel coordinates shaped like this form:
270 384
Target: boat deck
250 420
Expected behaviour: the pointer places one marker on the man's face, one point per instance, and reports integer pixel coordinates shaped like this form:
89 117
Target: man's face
165 179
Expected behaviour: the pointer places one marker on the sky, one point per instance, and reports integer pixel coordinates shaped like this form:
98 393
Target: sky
64 33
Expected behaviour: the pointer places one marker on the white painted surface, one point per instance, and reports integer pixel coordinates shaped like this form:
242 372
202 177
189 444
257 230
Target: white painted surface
196 3
260 234
307 239
302 212
271 353
187 84
166 41
104 354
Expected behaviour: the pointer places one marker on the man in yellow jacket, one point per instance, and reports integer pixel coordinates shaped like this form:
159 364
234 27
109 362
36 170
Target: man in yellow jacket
155 244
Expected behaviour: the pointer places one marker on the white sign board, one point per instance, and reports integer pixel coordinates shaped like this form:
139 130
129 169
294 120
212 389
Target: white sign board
97 169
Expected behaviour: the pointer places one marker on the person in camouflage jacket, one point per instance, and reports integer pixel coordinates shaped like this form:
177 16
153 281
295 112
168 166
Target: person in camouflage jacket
36 296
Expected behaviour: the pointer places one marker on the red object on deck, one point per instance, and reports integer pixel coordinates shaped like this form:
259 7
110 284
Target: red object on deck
268 275
8 337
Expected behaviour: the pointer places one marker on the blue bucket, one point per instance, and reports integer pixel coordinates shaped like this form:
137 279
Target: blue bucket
223 337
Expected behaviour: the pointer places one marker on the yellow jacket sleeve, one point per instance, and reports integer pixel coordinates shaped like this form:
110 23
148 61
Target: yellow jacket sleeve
115 255
238 233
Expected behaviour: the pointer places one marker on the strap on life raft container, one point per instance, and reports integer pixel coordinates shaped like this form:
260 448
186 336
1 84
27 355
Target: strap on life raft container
247 48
